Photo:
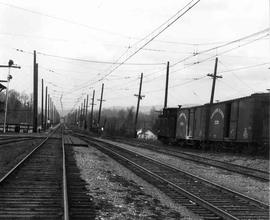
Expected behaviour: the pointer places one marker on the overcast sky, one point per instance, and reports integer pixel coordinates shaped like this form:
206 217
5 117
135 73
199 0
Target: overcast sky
111 31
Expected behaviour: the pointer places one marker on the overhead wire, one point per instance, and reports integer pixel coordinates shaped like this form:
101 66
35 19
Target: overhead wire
223 45
152 38
95 61
240 80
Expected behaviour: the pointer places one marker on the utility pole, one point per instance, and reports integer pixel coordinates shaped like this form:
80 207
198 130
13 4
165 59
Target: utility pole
79 116
42 117
75 117
46 108
52 113
92 109
138 106
208 109
214 81
86 111
83 125
35 94
100 104
166 86
49 108
81 121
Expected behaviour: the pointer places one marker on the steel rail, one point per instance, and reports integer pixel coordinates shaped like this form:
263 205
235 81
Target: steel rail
15 140
25 158
251 172
65 194
219 212
254 201
233 193
191 196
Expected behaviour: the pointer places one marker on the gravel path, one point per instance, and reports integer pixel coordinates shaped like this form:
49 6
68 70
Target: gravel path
119 194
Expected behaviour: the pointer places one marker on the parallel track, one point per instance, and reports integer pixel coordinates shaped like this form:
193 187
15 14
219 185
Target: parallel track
246 171
209 200
33 187
46 184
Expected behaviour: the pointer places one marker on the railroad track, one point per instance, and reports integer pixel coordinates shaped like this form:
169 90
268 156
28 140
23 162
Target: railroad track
246 171
14 140
206 199
45 185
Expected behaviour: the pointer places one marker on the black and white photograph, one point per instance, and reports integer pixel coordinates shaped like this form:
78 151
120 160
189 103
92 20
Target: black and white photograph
134 110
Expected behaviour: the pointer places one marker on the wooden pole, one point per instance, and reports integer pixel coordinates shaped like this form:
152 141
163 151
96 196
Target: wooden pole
138 106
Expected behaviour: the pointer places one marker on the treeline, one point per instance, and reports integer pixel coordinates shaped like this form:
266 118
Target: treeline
19 108
117 122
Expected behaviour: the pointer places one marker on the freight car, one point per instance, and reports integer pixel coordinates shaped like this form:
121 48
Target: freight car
240 124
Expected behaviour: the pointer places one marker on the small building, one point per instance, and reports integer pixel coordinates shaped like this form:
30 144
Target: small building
147 134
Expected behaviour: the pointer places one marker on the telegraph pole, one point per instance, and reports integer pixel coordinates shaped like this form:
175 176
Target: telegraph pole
138 106
46 108
49 108
100 104
166 86
214 76
214 81
86 111
42 118
52 113
35 94
79 116
83 124
75 117
92 108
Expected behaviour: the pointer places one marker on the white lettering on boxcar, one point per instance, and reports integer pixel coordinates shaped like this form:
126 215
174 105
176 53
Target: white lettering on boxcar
245 134
183 115
217 110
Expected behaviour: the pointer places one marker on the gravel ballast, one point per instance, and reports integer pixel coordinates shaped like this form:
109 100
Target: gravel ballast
120 194
245 185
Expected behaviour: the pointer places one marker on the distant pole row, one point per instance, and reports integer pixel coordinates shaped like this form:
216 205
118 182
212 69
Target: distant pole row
81 117
51 115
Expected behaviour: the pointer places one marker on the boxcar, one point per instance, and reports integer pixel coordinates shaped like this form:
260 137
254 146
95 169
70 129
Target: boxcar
239 123
167 124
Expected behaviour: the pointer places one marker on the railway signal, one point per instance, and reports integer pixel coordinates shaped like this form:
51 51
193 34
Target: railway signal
9 77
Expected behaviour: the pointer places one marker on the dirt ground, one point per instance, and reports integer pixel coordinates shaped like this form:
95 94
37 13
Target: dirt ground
119 194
